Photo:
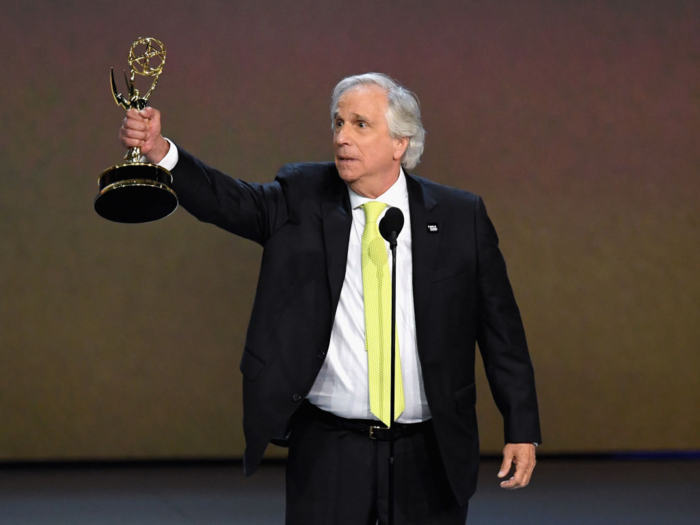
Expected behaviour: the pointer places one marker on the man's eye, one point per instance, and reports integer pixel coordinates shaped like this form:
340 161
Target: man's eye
338 124
362 124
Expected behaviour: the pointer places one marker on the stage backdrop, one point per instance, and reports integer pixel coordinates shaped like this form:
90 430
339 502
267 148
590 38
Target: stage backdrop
577 122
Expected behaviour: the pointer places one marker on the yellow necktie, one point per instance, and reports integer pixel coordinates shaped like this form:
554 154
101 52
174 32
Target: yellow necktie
376 288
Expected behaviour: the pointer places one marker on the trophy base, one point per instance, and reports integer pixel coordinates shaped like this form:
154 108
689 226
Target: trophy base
135 193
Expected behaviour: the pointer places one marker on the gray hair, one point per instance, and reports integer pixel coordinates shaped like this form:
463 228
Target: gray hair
402 115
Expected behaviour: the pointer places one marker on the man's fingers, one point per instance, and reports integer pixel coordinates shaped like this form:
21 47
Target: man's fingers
512 484
129 133
505 466
131 138
150 115
132 143
509 484
141 120
522 474
148 112
141 129
135 129
135 125
520 479
134 121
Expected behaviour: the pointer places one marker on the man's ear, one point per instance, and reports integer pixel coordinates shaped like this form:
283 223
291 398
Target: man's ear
400 146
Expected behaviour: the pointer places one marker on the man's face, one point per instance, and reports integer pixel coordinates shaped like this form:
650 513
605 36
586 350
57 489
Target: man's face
366 156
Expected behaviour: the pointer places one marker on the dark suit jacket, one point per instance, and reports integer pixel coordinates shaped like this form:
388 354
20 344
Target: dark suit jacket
461 293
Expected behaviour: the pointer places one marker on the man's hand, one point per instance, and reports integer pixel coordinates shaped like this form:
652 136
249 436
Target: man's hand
523 456
142 129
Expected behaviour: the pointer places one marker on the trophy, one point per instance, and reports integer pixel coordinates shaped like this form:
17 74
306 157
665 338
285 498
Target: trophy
136 191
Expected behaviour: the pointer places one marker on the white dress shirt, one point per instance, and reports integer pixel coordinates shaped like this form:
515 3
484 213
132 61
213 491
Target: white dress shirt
342 385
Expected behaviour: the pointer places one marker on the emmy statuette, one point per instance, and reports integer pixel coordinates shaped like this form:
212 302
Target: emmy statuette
135 191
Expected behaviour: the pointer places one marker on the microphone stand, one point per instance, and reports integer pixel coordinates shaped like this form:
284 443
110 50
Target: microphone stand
390 227
392 246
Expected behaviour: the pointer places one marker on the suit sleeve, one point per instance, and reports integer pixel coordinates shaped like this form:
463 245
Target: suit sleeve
501 339
251 210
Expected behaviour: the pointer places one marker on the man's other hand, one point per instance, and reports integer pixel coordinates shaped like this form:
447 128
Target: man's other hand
141 129
522 455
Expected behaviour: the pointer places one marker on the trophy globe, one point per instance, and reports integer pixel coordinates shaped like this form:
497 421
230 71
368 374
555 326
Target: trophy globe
137 191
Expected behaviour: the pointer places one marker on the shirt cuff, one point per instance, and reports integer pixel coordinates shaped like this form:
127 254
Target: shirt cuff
170 160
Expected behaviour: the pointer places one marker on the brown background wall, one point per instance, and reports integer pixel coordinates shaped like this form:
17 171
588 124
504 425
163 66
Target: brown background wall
578 122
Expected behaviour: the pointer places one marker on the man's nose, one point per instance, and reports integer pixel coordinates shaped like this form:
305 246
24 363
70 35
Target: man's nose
341 137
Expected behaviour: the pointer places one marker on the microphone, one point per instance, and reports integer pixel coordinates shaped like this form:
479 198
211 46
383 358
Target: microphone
391 225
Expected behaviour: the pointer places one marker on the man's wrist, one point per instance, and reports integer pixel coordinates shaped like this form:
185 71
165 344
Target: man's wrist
171 158
159 151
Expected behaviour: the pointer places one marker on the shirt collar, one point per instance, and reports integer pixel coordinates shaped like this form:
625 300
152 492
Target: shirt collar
395 196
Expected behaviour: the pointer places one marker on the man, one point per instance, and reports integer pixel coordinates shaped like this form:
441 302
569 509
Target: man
315 368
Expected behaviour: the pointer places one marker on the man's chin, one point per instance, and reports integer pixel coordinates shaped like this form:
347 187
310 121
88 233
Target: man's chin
346 172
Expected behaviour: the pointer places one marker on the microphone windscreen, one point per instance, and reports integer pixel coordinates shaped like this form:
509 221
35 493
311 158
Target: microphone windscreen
392 222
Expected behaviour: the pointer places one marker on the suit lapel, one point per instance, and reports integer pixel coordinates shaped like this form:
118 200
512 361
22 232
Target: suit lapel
425 255
337 220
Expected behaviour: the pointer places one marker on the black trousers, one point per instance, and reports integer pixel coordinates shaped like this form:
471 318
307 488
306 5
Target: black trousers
340 477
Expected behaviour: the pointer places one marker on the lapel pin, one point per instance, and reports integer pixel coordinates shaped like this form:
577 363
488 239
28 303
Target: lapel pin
433 227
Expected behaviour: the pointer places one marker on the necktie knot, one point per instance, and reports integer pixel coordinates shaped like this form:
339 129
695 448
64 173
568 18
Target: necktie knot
373 209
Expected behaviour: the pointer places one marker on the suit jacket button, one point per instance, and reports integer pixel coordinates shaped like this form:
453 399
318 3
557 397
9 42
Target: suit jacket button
321 355
296 397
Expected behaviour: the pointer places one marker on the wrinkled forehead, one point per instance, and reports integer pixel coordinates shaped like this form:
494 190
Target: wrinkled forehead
363 99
